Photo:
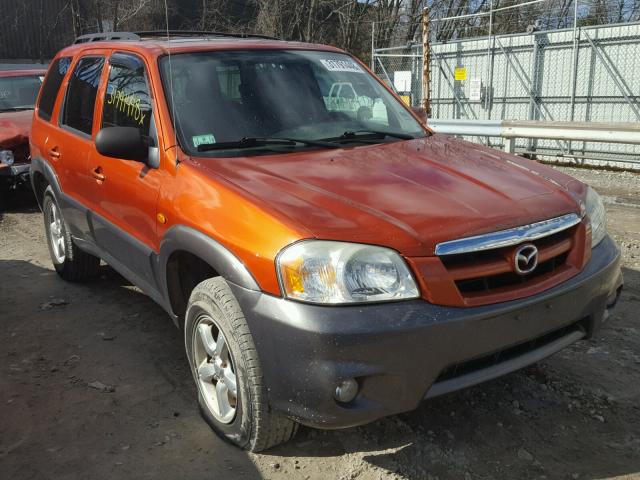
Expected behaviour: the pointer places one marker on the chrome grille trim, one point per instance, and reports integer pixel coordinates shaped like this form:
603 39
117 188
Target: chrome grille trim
506 238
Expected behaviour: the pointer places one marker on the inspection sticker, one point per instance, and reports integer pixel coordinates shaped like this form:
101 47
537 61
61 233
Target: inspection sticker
341 66
206 139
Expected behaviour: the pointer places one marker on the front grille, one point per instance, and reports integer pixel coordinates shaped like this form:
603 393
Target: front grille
495 358
493 270
489 283
484 276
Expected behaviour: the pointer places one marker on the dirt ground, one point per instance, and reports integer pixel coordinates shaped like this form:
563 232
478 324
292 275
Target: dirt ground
575 416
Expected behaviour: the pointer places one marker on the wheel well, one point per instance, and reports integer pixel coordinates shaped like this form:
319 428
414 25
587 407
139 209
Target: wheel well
40 184
184 272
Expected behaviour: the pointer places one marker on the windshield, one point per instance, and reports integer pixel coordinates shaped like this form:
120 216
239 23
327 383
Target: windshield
223 97
19 93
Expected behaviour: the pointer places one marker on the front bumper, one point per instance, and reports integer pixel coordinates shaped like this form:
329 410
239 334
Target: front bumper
403 352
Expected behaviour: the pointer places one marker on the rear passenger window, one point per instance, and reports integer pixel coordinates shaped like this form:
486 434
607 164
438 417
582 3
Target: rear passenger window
57 71
127 101
81 94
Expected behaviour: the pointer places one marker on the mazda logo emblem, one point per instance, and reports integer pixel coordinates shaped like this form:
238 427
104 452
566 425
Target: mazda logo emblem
525 259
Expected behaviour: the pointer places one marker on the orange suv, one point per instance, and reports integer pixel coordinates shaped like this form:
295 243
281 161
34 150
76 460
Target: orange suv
330 259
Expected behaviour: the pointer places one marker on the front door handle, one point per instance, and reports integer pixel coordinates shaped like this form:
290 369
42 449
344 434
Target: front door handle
98 175
54 153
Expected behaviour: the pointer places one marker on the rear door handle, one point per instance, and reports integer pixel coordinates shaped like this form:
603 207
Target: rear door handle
54 153
98 175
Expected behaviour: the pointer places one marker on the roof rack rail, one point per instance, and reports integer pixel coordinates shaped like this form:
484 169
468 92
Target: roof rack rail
137 36
103 36
201 33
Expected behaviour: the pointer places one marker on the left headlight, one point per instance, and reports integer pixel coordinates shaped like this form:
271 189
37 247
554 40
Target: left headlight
597 216
319 271
6 157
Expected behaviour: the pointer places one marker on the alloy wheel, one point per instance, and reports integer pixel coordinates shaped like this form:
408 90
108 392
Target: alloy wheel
214 369
56 233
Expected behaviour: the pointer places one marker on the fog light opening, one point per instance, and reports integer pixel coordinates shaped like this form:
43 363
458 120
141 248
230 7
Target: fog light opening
346 390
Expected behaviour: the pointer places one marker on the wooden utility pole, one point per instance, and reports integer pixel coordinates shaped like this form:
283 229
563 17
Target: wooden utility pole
425 61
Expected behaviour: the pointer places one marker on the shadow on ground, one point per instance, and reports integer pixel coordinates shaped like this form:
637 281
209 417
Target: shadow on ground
56 339
21 200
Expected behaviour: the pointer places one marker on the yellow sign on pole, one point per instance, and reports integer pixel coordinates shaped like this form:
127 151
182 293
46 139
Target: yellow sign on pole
460 73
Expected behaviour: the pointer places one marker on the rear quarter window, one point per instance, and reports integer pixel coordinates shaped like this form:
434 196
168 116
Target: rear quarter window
51 86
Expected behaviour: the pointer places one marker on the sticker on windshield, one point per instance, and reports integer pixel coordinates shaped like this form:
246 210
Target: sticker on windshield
207 139
342 66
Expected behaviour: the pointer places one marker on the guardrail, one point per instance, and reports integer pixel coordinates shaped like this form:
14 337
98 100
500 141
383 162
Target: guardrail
511 130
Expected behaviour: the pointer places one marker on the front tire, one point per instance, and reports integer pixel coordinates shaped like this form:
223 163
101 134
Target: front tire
225 366
69 261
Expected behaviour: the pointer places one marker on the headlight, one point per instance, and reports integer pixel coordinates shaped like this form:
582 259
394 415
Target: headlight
319 271
6 157
596 214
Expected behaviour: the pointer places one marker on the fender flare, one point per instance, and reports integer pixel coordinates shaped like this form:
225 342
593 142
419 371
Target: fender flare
41 166
220 258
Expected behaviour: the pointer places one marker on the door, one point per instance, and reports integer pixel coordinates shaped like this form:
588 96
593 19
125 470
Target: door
68 143
125 192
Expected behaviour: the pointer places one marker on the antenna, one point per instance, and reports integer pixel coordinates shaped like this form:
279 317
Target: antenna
173 103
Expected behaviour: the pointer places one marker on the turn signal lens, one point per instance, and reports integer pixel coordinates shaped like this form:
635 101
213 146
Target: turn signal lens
597 216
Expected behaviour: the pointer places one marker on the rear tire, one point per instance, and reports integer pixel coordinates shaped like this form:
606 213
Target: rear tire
70 262
222 356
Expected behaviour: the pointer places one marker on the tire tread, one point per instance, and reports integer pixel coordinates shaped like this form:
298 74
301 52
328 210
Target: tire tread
78 265
268 428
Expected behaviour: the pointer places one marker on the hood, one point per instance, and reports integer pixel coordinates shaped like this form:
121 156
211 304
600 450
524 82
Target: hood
407 195
15 128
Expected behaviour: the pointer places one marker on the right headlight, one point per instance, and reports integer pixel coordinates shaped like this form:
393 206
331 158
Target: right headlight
597 216
319 271
6 157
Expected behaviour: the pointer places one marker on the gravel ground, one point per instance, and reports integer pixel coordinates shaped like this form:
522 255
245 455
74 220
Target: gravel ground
94 384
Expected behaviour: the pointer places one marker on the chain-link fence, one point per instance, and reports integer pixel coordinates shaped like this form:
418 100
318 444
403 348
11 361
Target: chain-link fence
580 73
401 67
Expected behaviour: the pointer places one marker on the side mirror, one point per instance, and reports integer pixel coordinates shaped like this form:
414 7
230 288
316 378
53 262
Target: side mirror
122 142
421 113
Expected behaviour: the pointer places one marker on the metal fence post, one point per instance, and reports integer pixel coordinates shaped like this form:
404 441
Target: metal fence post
373 46
510 145
574 65
533 99
425 61
489 61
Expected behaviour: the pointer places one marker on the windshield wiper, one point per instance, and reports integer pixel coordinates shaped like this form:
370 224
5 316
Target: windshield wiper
367 136
252 142
348 135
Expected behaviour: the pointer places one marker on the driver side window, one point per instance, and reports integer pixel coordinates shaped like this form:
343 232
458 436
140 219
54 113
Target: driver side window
127 100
